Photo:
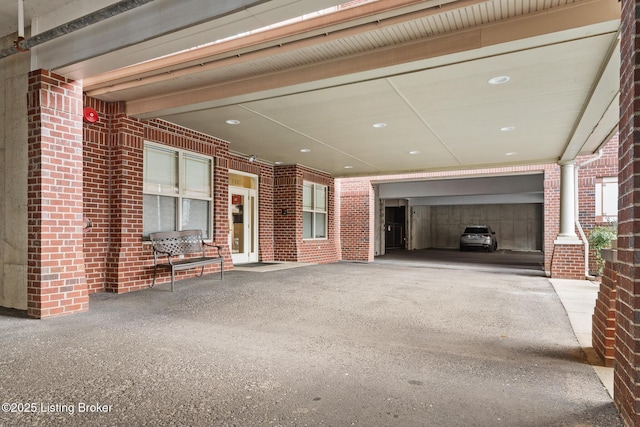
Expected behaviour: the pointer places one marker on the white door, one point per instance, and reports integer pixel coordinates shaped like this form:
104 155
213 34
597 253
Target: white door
243 232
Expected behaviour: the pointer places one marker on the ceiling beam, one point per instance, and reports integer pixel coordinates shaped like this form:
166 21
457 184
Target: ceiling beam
331 25
169 26
600 107
578 20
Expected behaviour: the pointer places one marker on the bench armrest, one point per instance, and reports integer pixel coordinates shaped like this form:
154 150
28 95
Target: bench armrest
218 247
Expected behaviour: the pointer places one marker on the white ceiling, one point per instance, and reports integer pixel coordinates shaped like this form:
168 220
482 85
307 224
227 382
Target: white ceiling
421 67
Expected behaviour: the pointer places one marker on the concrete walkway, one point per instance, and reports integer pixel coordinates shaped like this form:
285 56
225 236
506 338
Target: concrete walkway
578 298
389 343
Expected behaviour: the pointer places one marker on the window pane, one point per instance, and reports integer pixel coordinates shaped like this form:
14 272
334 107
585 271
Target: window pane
160 170
159 213
321 198
195 215
307 197
307 225
197 176
610 199
321 225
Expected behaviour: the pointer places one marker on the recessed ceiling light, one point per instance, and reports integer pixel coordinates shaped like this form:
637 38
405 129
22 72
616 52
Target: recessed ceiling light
510 153
232 122
499 80
305 150
507 128
348 167
414 152
379 125
278 163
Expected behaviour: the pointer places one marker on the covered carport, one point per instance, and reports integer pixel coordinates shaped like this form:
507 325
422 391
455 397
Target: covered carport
439 209
317 89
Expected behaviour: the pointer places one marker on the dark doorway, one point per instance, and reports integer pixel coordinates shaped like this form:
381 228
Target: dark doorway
394 227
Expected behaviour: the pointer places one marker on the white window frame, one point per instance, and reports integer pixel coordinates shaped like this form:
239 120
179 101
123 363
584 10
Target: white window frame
606 199
315 209
182 179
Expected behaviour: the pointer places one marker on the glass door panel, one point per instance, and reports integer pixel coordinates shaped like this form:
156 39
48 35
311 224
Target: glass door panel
237 223
243 219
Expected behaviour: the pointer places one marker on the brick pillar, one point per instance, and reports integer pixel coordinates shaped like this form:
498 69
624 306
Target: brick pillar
127 152
604 314
56 280
221 209
287 206
627 331
357 219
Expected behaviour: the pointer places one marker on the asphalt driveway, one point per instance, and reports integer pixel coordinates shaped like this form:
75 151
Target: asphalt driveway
394 342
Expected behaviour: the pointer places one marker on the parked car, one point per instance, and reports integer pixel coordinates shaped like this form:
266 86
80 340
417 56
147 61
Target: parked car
478 237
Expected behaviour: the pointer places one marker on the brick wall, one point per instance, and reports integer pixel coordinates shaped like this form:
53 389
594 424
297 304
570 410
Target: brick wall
287 207
626 381
551 213
56 281
605 166
288 242
604 314
96 184
357 214
117 260
568 261
126 253
116 257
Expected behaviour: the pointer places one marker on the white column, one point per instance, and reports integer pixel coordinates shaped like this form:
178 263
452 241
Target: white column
567 205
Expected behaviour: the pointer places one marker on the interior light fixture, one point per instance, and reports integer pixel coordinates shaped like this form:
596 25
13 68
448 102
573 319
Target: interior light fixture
379 125
305 150
507 128
279 163
348 167
414 152
498 80
232 122
510 153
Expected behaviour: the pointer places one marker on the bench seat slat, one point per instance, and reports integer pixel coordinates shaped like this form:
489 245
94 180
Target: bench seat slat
183 264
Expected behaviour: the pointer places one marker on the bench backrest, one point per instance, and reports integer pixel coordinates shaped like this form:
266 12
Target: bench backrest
177 242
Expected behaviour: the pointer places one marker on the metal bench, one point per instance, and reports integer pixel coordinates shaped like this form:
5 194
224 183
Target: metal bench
174 245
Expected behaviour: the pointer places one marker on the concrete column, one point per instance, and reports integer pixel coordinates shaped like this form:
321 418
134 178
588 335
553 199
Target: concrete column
567 205
14 164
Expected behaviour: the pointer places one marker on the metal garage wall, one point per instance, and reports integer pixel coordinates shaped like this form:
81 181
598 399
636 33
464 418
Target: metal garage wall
517 226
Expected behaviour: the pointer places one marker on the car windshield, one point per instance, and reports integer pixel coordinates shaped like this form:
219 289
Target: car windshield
475 230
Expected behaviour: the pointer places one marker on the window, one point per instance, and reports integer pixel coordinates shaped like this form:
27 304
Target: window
177 191
314 211
606 199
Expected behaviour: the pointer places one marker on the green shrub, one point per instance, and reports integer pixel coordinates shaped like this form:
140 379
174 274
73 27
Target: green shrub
601 238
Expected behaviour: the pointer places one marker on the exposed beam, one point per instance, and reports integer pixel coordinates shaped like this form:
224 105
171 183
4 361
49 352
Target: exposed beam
493 39
600 107
329 26
170 26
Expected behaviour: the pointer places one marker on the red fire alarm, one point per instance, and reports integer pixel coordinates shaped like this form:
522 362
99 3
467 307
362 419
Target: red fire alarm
90 115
